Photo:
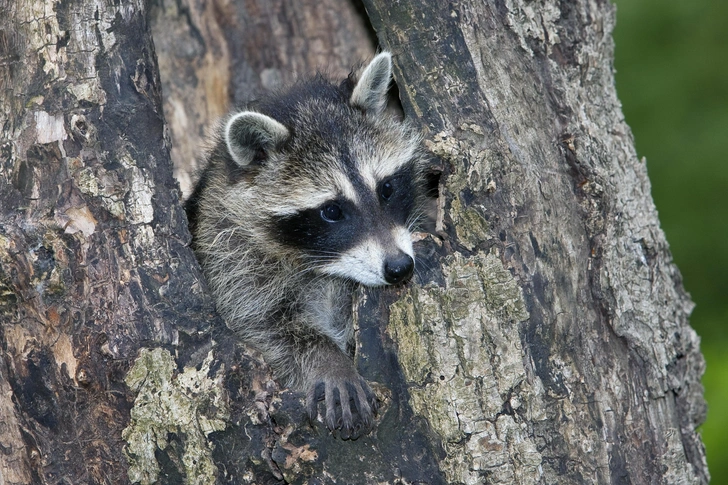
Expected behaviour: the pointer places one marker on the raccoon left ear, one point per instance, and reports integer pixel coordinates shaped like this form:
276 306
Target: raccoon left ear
370 92
248 134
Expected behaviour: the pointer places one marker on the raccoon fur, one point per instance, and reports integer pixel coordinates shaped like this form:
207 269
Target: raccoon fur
305 195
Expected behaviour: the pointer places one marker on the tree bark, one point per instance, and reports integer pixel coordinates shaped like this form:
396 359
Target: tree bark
545 338
94 253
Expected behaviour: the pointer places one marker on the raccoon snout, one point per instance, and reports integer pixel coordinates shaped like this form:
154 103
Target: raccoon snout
398 269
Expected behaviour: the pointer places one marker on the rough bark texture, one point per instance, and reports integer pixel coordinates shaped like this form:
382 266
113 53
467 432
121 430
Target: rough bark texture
544 340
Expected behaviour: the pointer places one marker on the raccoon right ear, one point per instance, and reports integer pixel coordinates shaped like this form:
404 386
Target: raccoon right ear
248 134
370 92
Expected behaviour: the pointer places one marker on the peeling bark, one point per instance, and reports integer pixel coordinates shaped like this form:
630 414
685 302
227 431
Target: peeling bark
545 338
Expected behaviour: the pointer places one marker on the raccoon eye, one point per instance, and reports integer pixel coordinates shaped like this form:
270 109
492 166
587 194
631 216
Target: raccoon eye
331 213
386 190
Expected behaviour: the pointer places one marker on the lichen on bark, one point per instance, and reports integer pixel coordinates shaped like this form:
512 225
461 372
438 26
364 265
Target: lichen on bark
540 171
191 405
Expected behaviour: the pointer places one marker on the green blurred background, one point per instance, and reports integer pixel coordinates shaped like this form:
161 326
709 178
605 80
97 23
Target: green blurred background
672 79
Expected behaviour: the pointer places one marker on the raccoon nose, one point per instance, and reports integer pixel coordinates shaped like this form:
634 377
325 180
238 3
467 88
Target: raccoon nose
398 269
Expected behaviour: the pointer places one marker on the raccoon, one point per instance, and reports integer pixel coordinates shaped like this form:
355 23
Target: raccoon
307 194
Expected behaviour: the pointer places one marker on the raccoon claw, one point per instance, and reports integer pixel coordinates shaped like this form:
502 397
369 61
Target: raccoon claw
349 407
371 400
314 395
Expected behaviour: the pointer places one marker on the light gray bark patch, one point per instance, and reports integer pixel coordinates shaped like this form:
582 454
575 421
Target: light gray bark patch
460 351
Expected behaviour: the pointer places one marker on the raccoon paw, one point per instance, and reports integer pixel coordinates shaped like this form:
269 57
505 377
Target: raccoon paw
349 406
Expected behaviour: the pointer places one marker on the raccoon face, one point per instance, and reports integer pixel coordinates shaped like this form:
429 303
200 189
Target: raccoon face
337 180
366 239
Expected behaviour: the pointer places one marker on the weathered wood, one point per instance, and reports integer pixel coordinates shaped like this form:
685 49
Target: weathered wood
116 368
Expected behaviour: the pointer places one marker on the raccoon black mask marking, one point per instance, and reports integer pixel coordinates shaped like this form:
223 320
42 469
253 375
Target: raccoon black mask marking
311 192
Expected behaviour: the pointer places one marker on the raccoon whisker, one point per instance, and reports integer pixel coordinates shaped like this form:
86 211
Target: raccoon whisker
331 257
420 268
421 263
315 267
417 216
308 271
322 252
319 262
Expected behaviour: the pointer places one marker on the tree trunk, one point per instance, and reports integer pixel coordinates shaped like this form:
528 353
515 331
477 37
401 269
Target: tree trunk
545 338
556 336
93 241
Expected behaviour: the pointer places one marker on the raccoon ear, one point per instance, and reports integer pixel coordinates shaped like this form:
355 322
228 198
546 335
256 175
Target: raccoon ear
247 134
370 92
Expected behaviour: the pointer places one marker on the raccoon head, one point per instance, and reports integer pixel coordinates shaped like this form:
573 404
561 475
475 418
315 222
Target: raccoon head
335 180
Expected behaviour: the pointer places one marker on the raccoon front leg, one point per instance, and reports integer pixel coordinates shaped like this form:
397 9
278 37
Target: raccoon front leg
308 361
321 334
349 403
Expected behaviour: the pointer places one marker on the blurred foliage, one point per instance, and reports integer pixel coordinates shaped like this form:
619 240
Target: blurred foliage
672 79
